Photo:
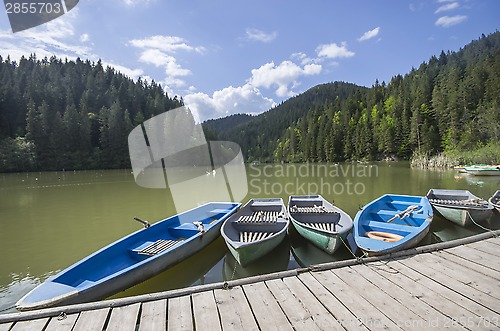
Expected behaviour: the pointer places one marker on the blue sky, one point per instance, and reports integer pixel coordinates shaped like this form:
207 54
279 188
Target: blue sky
225 57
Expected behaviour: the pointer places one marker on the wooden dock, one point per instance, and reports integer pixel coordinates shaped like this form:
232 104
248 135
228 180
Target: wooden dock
446 285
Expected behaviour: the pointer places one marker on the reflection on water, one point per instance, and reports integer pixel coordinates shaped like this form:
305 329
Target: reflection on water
51 220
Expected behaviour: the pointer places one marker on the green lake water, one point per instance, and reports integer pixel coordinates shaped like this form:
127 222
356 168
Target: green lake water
50 220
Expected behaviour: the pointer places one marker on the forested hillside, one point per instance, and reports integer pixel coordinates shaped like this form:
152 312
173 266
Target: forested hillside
57 114
449 103
258 137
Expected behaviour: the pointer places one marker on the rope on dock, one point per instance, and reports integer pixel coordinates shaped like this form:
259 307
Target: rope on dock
480 226
469 203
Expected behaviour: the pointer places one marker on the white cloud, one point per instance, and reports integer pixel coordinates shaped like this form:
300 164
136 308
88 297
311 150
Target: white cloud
449 6
447 21
333 51
230 100
168 44
159 51
133 3
53 38
281 76
259 35
84 37
369 34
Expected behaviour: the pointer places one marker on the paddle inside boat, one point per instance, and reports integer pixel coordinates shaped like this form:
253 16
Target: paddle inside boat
256 229
132 259
391 223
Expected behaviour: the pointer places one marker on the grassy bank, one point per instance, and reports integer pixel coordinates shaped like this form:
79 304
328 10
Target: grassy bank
489 154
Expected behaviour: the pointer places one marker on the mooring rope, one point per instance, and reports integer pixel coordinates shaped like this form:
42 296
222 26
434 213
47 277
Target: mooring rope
480 226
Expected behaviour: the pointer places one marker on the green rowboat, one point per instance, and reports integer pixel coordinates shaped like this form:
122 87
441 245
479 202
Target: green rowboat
256 229
460 206
319 221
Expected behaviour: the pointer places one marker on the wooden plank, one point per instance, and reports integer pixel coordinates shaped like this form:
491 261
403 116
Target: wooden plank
62 323
299 317
455 279
407 279
384 282
321 316
470 272
456 307
486 247
153 316
206 316
494 240
397 313
30 325
473 255
365 312
179 314
124 318
344 317
387 304
495 274
5 326
91 320
235 312
266 310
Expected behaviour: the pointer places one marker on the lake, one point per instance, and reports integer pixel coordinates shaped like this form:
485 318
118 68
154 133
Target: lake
50 220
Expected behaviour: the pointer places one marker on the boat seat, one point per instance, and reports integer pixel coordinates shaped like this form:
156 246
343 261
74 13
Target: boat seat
330 227
260 218
312 210
381 226
251 236
219 211
152 248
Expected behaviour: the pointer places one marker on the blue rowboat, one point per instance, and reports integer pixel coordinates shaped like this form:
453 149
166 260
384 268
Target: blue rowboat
132 259
256 229
391 223
460 206
319 221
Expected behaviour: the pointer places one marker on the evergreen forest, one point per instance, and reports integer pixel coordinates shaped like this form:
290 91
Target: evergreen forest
57 114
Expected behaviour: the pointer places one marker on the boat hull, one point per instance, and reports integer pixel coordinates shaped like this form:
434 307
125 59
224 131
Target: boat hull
483 171
463 217
123 263
326 242
247 254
